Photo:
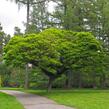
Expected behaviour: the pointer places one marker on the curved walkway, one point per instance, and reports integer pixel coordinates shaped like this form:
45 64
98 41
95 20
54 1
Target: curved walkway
31 101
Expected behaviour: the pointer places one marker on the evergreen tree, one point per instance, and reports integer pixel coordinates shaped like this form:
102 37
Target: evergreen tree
28 4
1 40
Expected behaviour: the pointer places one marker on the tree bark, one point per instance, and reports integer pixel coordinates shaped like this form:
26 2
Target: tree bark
50 83
28 15
94 81
68 83
102 81
79 80
0 81
26 85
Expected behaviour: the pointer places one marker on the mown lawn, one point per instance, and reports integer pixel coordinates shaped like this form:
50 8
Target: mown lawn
80 99
9 102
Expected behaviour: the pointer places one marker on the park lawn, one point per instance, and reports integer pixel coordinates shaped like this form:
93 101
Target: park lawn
9 102
80 99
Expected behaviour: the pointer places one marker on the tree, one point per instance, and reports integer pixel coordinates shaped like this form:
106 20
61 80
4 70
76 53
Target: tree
4 72
17 31
4 38
28 3
82 15
67 15
56 52
1 40
94 16
44 56
39 16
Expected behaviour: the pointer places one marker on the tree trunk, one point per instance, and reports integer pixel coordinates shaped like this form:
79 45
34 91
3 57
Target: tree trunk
28 12
102 81
0 81
94 81
79 80
50 83
26 85
68 83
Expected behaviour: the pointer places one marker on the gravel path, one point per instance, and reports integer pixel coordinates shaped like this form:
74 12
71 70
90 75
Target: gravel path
31 101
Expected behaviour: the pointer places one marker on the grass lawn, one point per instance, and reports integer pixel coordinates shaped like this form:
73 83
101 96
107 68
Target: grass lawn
80 99
9 102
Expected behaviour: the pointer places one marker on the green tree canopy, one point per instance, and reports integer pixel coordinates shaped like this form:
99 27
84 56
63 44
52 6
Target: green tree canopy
54 51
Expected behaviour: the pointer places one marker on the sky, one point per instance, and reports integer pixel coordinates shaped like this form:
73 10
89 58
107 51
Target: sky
11 16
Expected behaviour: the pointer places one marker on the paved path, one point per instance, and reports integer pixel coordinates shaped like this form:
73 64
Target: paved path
31 101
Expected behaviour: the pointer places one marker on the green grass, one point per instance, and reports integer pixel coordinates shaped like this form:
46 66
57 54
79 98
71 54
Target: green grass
9 102
80 99
9 88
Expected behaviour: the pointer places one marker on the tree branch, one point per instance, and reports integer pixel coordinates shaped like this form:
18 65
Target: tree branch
21 1
39 2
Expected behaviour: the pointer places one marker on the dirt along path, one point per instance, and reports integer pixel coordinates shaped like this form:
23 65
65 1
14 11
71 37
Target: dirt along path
31 101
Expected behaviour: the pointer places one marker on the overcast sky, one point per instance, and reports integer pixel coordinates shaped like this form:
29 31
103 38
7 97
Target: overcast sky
11 16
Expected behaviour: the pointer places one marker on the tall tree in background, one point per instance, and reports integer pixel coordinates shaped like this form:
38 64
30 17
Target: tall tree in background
28 4
39 17
4 39
1 41
67 15
95 14
83 15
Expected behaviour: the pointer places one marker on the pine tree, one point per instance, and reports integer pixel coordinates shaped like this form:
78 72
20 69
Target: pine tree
28 4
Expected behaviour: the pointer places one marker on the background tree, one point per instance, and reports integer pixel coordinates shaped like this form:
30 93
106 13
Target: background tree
67 15
83 15
39 16
4 74
1 40
4 38
28 4
17 31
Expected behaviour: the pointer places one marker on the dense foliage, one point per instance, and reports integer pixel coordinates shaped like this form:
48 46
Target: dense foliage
58 52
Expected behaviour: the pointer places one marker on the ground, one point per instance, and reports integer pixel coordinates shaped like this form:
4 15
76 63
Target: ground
79 99
32 101
8 102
